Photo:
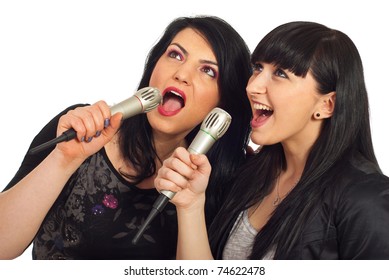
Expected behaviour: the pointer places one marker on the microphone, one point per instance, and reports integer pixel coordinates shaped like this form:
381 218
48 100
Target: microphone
212 128
143 101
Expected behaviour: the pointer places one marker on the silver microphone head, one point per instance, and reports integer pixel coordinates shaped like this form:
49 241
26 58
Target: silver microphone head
212 128
216 123
150 98
143 101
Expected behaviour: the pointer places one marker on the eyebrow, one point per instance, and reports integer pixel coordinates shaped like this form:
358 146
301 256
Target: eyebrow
186 53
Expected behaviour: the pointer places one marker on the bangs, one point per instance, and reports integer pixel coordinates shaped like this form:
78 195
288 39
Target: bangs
289 47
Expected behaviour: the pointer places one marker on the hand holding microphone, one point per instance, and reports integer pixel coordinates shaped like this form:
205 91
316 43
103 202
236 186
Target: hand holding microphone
212 128
143 101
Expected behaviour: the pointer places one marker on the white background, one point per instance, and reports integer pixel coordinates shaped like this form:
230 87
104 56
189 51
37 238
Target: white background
57 53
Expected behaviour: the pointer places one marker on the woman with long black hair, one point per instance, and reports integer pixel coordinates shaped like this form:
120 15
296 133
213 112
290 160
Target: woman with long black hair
86 198
314 189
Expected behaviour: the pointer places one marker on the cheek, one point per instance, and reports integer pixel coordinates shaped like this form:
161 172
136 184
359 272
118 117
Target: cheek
294 116
209 94
210 102
157 76
154 79
205 102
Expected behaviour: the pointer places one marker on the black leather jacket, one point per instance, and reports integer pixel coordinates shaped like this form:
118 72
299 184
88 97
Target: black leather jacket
359 228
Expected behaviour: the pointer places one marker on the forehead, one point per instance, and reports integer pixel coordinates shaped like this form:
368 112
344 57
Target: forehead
194 43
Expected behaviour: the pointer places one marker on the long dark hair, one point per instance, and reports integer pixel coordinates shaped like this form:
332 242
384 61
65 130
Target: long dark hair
334 62
233 58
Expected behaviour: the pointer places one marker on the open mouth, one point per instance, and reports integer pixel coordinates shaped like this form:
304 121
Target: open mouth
172 101
261 112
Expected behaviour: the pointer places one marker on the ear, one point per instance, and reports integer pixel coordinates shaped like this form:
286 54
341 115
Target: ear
326 106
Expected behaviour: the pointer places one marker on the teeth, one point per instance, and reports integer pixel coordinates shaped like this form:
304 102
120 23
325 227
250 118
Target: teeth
176 93
261 107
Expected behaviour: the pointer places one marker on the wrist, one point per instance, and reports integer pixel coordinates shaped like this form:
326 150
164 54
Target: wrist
195 206
65 161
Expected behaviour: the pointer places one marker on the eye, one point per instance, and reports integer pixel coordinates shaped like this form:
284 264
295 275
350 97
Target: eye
209 71
257 67
175 54
280 73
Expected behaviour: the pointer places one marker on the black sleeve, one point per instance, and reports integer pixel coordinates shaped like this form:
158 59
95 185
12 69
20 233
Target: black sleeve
46 134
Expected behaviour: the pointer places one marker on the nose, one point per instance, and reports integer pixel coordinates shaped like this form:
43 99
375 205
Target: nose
183 74
256 84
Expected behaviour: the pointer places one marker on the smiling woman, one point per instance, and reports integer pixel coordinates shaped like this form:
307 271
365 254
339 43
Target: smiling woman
314 189
86 198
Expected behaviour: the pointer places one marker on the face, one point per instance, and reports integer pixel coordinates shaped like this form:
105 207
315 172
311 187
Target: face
283 106
187 76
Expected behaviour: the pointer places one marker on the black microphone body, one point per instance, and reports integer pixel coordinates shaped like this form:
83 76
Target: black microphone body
143 101
212 128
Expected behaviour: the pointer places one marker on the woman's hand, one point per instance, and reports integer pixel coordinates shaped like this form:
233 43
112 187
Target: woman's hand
95 127
185 174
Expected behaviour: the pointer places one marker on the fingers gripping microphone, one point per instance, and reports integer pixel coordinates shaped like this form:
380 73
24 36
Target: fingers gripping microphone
143 101
212 128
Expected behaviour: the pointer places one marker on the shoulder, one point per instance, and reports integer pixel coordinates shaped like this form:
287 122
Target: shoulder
47 133
51 127
67 109
357 187
367 190
364 181
364 192
362 216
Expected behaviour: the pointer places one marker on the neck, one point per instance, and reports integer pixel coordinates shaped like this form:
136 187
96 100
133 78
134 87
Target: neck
166 144
295 164
296 153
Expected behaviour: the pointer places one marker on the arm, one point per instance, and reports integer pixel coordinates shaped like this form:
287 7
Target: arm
24 206
188 175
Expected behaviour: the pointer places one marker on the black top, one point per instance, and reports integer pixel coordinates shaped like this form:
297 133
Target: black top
98 213
359 228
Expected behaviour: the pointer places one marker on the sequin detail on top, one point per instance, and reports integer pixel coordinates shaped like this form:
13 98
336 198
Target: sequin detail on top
110 201
98 209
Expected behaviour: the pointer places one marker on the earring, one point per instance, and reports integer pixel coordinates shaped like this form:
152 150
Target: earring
317 115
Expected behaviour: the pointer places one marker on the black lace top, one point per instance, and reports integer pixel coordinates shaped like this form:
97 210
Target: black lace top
97 216
98 213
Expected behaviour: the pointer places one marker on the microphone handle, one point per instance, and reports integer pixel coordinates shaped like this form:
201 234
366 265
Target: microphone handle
65 136
212 128
157 208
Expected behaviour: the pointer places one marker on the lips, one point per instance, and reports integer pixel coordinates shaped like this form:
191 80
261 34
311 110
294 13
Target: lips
173 100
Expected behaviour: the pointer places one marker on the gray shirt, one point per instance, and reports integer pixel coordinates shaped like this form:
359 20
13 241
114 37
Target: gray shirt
240 240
